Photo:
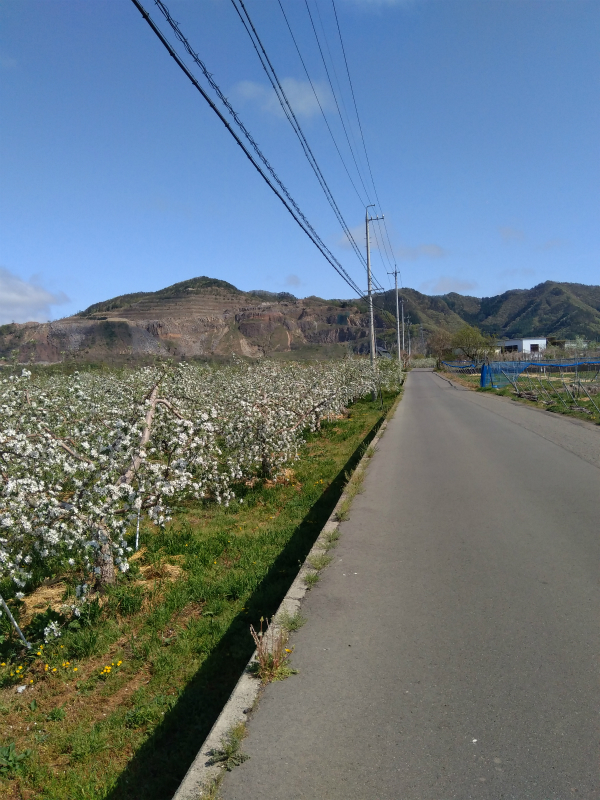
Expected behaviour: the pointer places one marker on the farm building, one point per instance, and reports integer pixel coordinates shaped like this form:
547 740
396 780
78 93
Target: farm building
529 345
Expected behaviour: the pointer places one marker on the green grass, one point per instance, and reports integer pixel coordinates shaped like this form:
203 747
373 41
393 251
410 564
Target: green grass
130 695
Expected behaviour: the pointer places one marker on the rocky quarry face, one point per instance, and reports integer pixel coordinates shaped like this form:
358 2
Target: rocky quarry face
199 322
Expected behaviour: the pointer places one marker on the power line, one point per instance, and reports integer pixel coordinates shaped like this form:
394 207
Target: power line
269 70
282 193
334 96
341 93
361 129
289 113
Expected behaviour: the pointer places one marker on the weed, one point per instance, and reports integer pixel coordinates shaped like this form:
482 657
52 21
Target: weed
331 539
319 561
311 579
212 790
56 714
126 600
84 643
143 714
83 744
291 622
230 754
271 652
10 760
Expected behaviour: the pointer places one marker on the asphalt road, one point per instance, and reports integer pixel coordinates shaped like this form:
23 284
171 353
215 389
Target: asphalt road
451 648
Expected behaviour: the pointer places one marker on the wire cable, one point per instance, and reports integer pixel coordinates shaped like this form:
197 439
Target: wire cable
291 116
361 132
281 192
334 96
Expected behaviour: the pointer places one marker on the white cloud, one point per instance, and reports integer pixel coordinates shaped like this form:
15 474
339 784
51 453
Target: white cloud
552 244
401 253
509 234
22 301
358 234
445 284
299 93
517 272
420 251
292 280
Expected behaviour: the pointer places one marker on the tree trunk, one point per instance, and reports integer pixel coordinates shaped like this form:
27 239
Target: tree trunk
106 565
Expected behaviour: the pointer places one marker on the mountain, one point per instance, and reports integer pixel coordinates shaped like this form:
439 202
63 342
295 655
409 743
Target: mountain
209 318
559 310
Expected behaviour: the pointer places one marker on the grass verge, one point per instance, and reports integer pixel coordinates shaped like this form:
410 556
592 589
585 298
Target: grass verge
121 703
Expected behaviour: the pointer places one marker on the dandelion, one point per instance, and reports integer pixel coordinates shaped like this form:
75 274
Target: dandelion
54 669
74 669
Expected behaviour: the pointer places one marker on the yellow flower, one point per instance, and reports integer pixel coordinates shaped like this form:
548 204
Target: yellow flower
54 669
74 669
287 650
31 681
3 664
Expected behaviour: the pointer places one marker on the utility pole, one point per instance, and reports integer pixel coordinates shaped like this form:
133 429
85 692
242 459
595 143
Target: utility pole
403 348
408 326
395 274
370 283
370 289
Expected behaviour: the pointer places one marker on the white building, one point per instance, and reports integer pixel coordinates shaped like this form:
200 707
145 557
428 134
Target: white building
529 345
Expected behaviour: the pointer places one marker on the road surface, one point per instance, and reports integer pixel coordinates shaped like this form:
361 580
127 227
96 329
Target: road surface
451 648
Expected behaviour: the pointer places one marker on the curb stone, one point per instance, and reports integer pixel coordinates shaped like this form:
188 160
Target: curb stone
202 774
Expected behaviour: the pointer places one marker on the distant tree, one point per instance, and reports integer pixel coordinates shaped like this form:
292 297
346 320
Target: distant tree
472 343
439 343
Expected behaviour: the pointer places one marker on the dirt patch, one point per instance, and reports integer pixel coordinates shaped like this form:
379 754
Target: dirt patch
286 478
152 572
39 600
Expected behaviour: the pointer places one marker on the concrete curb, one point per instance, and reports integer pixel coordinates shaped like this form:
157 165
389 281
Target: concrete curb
201 775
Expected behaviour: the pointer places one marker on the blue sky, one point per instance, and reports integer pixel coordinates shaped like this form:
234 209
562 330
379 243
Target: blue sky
481 118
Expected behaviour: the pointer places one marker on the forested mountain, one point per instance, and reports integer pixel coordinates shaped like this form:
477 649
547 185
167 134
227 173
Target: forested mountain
561 310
